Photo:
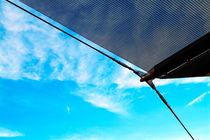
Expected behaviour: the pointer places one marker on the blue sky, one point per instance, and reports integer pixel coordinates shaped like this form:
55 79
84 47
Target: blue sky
55 88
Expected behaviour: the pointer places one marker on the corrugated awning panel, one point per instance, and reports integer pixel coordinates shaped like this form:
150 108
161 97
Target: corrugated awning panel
142 32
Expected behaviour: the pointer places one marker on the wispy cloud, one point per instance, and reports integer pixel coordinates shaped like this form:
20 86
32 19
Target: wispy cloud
14 20
108 102
162 82
126 79
40 52
68 109
9 133
198 99
110 99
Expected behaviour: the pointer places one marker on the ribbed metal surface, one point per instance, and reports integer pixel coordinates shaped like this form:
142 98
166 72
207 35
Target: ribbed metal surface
142 32
191 61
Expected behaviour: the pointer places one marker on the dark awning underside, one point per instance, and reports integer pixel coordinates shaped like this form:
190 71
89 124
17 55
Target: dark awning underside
143 32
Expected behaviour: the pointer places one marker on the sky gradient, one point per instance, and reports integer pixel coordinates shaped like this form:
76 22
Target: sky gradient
54 88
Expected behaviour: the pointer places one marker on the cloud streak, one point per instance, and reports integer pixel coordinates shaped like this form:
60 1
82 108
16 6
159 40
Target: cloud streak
107 102
9 133
41 52
68 109
127 79
105 97
198 99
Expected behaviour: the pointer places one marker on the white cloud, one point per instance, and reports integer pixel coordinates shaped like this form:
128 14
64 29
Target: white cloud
16 20
198 99
112 103
141 97
36 46
9 133
161 82
14 52
126 79
68 108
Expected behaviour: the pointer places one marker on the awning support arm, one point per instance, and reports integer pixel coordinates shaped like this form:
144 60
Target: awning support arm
151 84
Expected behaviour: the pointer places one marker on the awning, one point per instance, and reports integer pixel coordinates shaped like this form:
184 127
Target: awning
149 34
